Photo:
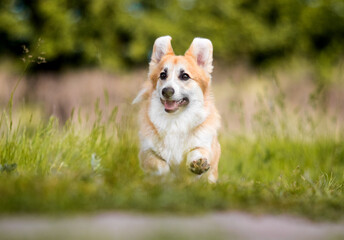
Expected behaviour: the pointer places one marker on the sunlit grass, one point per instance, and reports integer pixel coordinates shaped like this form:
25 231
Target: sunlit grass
51 167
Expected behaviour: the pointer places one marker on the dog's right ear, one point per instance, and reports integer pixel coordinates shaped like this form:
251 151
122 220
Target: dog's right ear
162 46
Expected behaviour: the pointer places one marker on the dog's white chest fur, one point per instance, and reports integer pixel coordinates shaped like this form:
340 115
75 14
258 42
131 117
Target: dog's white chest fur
172 146
176 136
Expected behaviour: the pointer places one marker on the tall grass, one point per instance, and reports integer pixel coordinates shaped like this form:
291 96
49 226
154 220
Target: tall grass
290 163
49 168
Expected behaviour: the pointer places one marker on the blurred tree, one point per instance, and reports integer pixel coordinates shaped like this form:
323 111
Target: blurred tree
120 33
15 28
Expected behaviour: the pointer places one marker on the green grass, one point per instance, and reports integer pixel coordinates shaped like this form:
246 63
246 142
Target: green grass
77 167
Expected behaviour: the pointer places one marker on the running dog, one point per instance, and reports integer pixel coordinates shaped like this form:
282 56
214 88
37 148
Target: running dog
178 118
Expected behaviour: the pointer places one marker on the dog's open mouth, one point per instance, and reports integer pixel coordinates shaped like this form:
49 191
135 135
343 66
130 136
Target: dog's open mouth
172 105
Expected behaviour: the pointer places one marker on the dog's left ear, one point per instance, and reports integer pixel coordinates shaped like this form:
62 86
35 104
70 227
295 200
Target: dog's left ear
202 50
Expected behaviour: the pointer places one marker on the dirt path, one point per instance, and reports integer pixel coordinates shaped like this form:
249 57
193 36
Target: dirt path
135 226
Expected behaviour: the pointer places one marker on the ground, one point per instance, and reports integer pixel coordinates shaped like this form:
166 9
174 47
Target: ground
220 225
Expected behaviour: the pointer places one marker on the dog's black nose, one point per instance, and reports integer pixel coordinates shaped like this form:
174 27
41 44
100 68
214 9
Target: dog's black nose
167 92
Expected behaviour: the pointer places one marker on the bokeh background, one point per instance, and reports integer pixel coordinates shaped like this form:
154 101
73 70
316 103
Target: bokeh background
119 34
73 52
69 70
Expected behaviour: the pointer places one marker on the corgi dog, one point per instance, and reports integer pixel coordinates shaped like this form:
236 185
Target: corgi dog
178 119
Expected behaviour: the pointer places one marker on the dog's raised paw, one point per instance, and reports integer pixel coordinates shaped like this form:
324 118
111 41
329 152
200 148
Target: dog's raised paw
199 166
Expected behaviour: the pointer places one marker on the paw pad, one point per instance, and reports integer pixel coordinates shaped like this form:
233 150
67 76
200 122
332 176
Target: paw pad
199 166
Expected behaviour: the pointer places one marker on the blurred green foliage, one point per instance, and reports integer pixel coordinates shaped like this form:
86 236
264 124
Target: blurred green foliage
120 33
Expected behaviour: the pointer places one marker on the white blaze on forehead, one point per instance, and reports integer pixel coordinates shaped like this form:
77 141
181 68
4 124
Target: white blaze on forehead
171 80
189 88
173 74
174 81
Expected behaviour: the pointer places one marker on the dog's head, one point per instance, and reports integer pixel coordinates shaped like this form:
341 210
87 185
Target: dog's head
180 81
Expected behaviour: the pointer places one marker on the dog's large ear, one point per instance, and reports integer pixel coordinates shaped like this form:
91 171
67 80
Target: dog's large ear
162 46
202 50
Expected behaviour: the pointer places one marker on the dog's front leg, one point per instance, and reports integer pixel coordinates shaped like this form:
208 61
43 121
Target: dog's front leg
152 163
198 160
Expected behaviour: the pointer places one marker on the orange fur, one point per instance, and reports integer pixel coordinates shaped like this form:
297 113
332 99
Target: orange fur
196 73
152 161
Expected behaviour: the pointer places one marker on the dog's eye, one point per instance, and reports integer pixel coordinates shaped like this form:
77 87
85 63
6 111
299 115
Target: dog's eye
163 76
185 77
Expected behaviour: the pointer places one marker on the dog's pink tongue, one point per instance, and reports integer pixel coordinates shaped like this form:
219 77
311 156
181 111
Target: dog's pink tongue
170 105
